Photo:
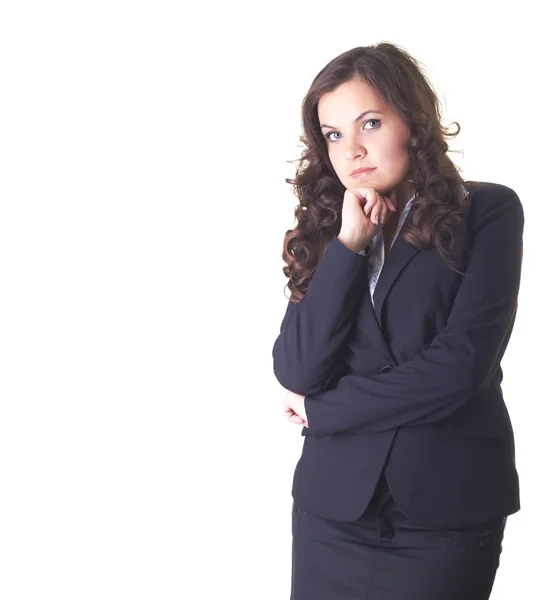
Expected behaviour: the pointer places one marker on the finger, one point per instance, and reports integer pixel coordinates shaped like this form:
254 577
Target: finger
387 207
369 204
376 214
385 200
380 210
359 195
296 419
385 213
389 204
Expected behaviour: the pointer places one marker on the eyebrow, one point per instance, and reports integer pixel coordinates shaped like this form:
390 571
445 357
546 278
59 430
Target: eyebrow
376 112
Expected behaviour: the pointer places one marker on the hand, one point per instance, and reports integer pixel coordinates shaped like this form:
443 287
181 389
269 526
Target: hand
364 211
293 407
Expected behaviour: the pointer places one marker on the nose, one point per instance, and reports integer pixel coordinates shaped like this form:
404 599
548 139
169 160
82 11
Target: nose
354 150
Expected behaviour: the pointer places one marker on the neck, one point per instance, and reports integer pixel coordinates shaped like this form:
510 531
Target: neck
401 194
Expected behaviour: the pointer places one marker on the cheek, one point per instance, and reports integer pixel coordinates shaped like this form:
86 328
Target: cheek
334 158
396 156
339 164
391 148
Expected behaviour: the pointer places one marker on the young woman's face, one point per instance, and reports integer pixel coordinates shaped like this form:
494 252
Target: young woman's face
378 140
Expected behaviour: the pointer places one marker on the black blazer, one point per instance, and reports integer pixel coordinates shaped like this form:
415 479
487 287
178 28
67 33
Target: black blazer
413 385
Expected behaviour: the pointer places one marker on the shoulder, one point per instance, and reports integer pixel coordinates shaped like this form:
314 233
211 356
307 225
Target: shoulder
489 201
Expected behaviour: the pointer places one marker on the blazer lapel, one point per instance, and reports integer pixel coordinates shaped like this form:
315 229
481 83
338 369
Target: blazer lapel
370 317
399 256
401 253
367 320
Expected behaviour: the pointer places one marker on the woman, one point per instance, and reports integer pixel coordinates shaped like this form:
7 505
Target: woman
404 281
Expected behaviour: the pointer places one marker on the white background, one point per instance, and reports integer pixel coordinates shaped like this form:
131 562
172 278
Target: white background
143 156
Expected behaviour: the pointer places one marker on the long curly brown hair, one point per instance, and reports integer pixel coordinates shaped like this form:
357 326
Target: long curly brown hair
440 201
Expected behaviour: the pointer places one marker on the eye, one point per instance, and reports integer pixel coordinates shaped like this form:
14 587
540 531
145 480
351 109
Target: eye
327 136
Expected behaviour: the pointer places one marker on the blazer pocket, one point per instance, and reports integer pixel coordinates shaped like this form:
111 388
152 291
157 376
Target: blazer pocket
480 420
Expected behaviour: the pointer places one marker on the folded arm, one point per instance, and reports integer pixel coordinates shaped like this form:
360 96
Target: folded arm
306 353
464 354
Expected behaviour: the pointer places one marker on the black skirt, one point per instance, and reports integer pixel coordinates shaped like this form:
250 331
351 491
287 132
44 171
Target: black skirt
384 556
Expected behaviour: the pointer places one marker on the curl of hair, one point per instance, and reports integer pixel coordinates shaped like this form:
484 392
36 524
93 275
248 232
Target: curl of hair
440 204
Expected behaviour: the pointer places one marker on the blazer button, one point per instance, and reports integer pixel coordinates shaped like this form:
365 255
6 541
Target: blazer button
386 369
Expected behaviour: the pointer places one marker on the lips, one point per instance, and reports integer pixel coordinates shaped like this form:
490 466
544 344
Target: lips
362 172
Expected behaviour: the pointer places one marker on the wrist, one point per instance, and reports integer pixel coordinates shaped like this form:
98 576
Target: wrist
352 245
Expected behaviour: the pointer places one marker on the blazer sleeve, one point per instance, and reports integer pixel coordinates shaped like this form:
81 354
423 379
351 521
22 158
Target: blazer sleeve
463 356
306 353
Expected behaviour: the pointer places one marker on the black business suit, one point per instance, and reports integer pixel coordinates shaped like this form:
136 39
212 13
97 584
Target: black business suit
409 391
